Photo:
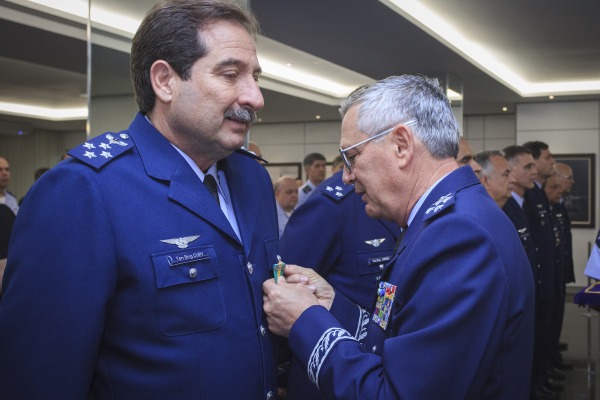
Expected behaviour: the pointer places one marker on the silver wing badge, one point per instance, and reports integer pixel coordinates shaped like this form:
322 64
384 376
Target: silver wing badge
375 242
181 242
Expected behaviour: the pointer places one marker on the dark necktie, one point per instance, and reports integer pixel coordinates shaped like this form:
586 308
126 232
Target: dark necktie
211 185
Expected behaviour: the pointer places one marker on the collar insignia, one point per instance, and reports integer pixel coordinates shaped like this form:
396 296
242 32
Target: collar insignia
181 242
440 204
375 242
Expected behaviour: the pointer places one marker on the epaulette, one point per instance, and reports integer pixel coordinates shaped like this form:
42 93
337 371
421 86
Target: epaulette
244 151
337 192
100 150
437 208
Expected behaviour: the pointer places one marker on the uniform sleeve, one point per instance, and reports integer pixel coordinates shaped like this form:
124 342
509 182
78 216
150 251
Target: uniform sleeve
311 237
58 284
449 303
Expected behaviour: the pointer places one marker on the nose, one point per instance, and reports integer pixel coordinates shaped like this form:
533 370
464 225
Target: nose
250 96
347 176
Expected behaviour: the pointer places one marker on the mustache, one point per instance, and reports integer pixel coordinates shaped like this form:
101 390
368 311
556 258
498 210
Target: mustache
241 115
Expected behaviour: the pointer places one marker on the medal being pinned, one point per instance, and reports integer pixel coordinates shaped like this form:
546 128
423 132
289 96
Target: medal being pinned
278 269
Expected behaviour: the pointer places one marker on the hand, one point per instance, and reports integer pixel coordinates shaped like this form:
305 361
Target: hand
315 282
284 303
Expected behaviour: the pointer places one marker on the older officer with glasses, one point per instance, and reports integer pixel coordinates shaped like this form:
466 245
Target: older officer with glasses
453 312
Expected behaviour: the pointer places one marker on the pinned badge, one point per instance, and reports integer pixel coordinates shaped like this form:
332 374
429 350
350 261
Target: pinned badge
375 242
278 269
181 242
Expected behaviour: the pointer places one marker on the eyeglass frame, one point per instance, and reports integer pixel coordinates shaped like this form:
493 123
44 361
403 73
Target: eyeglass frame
381 134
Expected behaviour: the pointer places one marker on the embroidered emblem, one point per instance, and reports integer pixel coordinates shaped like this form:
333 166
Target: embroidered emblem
321 350
440 204
181 242
375 242
337 192
363 321
95 152
306 189
383 307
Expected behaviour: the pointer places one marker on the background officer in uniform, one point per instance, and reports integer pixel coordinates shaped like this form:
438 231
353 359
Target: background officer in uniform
333 235
454 308
549 254
141 283
315 167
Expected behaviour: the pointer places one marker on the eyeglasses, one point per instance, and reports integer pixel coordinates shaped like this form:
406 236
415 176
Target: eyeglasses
349 161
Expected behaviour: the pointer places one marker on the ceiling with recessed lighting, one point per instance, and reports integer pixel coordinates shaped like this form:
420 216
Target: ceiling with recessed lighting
507 48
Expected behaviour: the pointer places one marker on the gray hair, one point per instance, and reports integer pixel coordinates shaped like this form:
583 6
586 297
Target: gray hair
401 98
484 159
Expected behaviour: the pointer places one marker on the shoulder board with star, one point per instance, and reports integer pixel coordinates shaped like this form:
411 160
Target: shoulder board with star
100 150
337 191
438 207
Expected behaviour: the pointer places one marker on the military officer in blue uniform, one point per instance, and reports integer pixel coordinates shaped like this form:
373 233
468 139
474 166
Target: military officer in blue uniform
139 284
453 315
333 235
549 254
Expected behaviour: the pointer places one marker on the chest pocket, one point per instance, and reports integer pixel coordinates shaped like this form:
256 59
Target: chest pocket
374 261
189 296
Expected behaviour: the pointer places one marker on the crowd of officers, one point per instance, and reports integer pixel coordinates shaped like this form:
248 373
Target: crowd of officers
531 189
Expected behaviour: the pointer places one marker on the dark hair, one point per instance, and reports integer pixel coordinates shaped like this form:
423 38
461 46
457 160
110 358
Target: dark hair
337 161
536 148
311 158
171 32
39 172
511 152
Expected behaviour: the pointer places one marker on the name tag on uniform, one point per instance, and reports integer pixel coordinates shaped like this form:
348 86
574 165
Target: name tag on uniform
383 307
187 257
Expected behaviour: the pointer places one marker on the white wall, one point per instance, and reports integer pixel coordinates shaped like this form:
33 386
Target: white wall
490 132
568 127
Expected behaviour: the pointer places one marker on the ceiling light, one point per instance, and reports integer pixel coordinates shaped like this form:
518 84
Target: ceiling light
551 97
481 56
48 113
284 69
505 109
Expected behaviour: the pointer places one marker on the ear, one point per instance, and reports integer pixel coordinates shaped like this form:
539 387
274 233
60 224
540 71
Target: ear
484 182
404 145
162 78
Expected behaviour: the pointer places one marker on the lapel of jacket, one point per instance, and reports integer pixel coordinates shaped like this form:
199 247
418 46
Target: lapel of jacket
244 191
163 162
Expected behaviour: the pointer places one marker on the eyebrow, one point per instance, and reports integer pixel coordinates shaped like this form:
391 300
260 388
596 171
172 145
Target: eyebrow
234 61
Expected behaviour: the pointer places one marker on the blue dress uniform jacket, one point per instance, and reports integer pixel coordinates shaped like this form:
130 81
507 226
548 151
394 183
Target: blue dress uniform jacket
460 325
134 285
332 234
521 222
546 242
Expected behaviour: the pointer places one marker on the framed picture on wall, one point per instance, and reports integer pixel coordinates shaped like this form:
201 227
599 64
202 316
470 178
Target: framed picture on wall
581 202
277 170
